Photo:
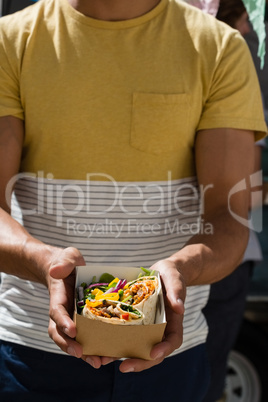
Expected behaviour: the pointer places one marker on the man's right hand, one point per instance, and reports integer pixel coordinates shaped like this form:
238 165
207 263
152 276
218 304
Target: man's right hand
61 282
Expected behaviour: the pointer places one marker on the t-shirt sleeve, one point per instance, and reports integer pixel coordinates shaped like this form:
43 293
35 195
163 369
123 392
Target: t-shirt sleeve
234 99
10 101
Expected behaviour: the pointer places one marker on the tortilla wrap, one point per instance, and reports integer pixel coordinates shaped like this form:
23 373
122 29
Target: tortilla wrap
111 312
144 293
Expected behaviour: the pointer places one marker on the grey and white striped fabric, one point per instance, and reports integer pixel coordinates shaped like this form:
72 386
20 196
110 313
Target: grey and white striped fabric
127 224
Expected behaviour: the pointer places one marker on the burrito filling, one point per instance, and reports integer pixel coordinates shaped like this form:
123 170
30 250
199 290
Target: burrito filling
139 290
110 309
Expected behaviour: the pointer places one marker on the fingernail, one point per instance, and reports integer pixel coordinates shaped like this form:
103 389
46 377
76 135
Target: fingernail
71 351
107 360
66 331
159 356
129 370
179 301
90 361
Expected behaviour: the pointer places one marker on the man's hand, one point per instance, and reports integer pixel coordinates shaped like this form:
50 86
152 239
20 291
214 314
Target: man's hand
61 282
174 295
62 328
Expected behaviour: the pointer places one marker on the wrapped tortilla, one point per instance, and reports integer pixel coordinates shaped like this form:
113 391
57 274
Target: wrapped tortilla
113 312
142 293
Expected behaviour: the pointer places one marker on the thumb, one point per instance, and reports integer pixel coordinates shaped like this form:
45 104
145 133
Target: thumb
175 290
177 305
65 262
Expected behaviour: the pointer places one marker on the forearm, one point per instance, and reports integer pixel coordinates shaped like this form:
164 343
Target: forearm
21 254
224 164
208 258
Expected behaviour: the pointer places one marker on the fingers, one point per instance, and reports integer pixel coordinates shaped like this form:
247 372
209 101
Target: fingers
173 335
61 328
98 361
63 336
137 365
94 361
63 321
174 290
172 340
173 285
64 262
65 342
107 360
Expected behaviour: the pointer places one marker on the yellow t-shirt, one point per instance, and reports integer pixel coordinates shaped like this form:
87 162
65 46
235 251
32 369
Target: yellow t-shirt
111 112
127 97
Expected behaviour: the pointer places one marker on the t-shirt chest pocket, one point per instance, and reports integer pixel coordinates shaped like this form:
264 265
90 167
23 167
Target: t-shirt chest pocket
160 122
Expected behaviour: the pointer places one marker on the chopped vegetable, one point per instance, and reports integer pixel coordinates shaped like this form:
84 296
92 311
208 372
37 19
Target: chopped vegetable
127 299
147 272
113 283
107 287
95 285
106 277
93 303
130 309
107 296
97 293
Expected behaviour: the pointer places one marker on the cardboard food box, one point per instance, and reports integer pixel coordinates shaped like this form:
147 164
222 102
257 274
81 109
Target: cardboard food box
104 339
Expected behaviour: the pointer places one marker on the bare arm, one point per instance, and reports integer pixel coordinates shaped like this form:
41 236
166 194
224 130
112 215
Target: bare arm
221 161
11 140
224 158
13 237
28 258
20 253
